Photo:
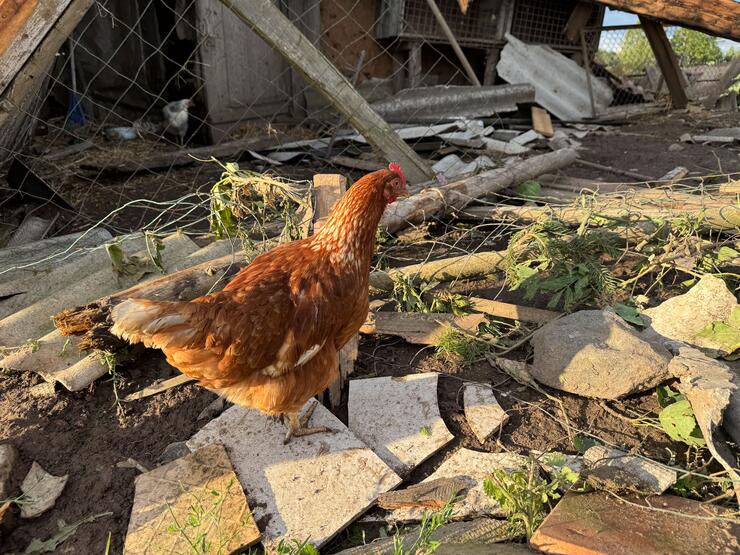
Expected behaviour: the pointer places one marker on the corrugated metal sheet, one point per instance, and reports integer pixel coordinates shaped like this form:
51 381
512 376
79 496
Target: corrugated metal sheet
561 85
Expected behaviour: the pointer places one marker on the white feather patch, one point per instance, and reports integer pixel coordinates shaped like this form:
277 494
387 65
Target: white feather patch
309 354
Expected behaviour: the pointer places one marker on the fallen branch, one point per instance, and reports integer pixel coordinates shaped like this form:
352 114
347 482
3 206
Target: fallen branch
721 219
447 269
437 201
418 328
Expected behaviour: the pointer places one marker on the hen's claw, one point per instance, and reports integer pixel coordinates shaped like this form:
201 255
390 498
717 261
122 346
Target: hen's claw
298 427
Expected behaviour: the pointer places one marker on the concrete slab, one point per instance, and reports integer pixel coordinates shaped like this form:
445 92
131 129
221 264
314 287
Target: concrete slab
309 489
398 418
473 467
630 472
597 523
196 499
482 411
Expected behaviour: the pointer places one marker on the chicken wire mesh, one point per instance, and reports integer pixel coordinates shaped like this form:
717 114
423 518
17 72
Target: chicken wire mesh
622 56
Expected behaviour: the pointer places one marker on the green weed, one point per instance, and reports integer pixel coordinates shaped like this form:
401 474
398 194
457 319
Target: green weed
410 297
460 347
523 495
424 544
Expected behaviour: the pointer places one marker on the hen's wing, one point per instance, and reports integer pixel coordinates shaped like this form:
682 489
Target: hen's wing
259 323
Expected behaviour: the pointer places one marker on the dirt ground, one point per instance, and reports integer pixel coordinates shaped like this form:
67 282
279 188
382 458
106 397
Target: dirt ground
79 434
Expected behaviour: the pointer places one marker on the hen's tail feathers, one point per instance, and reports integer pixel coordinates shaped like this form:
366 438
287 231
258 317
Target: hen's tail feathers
158 324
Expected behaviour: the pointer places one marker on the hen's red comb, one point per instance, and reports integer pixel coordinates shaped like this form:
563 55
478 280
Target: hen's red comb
397 169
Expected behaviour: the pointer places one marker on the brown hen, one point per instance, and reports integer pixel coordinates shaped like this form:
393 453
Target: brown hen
270 339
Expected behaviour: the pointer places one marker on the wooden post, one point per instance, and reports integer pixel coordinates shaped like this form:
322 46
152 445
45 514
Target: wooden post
667 61
492 58
19 103
414 68
577 20
328 189
269 23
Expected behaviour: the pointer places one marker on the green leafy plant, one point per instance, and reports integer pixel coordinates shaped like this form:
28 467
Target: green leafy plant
425 431
529 189
295 547
582 443
629 313
460 347
548 257
111 361
424 544
677 418
523 495
410 297
725 334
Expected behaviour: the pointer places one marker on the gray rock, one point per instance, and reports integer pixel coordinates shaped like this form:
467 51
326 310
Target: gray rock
594 353
8 459
675 147
681 318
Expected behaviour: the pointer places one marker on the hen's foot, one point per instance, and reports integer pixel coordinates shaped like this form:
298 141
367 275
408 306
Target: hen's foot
298 427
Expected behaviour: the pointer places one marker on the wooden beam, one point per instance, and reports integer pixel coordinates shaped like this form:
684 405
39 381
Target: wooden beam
19 102
266 19
577 20
718 17
667 61
442 22
25 24
328 189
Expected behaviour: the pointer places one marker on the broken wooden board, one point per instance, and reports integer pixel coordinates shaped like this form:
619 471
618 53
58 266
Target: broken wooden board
473 467
309 489
541 122
512 311
418 328
429 495
598 523
196 499
482 411
398 418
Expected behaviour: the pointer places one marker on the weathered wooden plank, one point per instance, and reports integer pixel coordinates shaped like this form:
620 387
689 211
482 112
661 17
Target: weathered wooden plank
268 22
25 24
19 103
577 20
732 71
667 61
719 17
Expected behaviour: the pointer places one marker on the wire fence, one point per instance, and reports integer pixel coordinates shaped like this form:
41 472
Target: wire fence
623 57
105 143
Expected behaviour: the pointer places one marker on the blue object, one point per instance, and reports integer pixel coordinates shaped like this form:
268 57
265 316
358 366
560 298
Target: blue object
75 113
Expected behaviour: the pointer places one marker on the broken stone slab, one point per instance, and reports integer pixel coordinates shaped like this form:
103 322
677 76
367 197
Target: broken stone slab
683 317
398 418
8 460
526 138
196 496
708 385
40 490
429 495
174 450
309 489
473 467
629 472
594 353
598 523
482 410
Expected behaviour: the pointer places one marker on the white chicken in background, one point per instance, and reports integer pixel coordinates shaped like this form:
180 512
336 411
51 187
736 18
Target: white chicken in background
176 118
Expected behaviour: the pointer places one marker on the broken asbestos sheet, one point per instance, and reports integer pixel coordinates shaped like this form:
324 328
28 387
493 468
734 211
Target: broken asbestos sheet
197 496
398 418
309 489
482 410
473 467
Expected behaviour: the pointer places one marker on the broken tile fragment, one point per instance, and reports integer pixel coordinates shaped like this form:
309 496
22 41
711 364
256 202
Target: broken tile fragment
196 496
398 418
41 491
628 471
598 523
309 489
482 411
473 467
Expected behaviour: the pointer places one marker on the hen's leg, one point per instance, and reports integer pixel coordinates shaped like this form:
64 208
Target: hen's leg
298 426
